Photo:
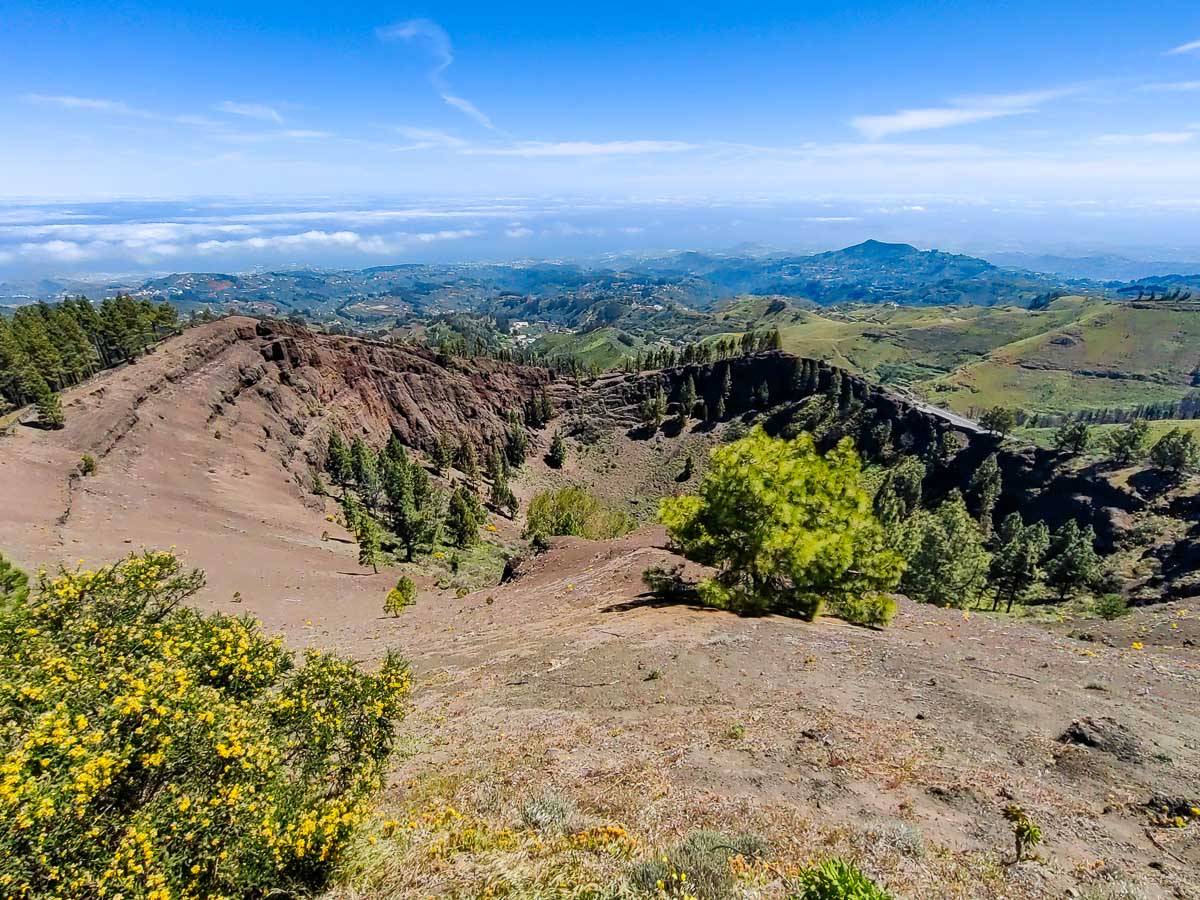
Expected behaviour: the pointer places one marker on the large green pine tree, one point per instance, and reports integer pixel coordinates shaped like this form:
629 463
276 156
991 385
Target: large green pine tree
337 460
787 529
947 562
1016 566
464 517
1072 564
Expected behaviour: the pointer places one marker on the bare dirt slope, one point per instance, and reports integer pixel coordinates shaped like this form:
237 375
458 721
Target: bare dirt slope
207 444
821 735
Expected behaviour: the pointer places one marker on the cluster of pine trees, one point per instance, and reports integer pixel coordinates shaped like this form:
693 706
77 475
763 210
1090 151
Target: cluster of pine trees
1186 408
47 347
664 357
956 557
474 344
388 497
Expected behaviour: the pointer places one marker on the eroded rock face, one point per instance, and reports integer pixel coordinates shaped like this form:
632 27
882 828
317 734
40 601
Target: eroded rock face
377 389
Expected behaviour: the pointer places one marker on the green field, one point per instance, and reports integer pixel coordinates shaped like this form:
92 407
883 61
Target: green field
1079 353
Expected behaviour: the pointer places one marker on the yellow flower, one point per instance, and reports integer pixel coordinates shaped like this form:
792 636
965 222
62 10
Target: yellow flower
1136 645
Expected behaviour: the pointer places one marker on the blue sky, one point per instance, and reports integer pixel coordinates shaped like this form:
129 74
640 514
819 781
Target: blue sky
519 130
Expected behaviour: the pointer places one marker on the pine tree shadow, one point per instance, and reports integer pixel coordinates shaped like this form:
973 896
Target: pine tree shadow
664 587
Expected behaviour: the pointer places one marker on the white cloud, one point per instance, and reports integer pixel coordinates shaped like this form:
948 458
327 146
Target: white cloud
1161 138
1189 47
518 232
424 31
465 106
94 104
1173 86
424 138
827 219
434 38
584 148
343 240
251 111
962 111
283 134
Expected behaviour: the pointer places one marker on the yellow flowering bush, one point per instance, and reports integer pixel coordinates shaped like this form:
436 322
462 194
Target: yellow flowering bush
149 750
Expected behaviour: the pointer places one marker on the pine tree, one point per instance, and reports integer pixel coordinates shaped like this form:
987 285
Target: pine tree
1073 563
947 562
364 465
1176 452
787 529
558 451
13 362
502 497
353 514
654 409
1128 444
464 517
30 329
515 442
986 487
443 454
413 512
50 411
999 420
369 539
468 462
496 465
337 460
1016 565
687 399
899 494
1072 437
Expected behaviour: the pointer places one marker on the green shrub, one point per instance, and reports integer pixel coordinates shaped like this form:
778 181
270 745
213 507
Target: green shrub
836 879
87 465
401 597
1110 606
875 610
150 750
576 512
698 866
548 811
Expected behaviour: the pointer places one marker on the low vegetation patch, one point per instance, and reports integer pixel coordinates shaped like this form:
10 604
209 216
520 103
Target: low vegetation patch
704 865
149 750
573 511
837 879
